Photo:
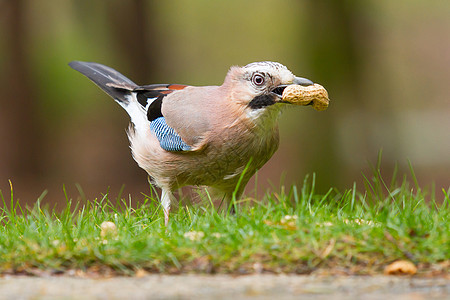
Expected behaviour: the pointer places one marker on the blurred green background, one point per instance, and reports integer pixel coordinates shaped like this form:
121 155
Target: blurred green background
386 65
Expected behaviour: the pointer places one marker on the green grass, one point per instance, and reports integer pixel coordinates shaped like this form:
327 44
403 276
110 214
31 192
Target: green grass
292 230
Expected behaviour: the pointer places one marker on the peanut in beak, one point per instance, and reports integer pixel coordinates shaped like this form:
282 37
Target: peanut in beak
314 95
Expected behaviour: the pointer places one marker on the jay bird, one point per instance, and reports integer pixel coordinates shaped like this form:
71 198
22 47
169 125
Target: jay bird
186 135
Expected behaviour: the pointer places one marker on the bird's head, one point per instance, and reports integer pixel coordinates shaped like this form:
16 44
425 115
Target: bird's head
259 85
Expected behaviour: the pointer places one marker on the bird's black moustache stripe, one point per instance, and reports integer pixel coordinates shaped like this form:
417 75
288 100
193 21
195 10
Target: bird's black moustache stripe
262 101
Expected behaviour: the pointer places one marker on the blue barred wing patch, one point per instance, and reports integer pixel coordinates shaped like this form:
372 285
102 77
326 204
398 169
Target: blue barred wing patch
167 137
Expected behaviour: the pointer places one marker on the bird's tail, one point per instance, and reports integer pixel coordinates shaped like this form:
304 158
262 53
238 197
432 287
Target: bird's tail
120 88
109 80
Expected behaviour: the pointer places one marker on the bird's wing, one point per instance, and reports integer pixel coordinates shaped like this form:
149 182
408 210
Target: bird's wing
146 104
194 113
150 97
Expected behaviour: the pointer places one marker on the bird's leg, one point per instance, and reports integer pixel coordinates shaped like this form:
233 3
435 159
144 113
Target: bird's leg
166 197
235 195
232 209
231 201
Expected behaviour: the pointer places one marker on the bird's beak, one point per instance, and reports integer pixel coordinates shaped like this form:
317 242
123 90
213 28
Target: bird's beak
302 81
278 91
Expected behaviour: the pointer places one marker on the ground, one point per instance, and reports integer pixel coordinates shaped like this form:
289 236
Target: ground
262 286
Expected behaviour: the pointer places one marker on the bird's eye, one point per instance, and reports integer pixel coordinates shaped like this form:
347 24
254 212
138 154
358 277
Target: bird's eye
258 79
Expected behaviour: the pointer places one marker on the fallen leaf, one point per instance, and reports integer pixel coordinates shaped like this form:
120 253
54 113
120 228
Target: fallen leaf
140 273
400 267
328 249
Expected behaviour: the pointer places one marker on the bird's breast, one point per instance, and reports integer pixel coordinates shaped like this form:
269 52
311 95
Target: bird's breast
228 154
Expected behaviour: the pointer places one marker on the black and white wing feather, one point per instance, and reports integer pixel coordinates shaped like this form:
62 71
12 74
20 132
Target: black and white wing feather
142 103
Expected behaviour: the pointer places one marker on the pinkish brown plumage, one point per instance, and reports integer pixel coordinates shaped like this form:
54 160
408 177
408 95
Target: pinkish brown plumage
185 135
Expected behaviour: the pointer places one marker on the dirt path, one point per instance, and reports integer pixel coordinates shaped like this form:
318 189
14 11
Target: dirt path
224 287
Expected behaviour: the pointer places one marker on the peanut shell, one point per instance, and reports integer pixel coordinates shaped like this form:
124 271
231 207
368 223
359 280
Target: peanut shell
314 95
